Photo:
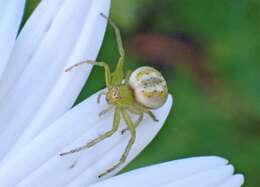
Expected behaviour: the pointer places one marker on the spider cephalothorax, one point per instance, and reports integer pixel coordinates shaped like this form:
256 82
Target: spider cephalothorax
134 93
120 95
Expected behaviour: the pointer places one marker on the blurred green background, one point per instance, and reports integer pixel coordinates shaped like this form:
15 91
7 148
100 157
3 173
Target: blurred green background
209 52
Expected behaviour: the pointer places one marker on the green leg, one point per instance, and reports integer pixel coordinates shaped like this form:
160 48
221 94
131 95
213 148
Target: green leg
118 74
101 64
100 138
106 110
151 114
127 77
147 111
139 120
100 95
118 36
124 156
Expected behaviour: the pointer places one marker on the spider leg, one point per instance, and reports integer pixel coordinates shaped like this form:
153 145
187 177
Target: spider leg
100 138
118 75
106 110
136 124
101 64
124 156
152 115
138 121
100 95
127 77
118 36
147 111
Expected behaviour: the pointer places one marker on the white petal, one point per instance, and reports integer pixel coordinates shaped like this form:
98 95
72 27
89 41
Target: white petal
190 172
11 13
234 181
44 91
27 42
160 174
210 178
39 164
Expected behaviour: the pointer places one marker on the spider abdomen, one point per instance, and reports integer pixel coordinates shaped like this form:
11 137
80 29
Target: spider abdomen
149 86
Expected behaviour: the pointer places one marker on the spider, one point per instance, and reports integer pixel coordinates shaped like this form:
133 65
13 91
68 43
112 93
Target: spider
137 92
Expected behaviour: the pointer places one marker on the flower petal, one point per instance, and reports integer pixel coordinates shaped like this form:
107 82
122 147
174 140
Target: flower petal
44 91
197 171
234 181
10 19
209 178
27 42
39 164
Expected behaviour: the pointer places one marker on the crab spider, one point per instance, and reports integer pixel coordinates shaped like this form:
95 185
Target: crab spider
136 92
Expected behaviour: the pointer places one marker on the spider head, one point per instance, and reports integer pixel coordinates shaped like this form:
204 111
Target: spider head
113 95
120 95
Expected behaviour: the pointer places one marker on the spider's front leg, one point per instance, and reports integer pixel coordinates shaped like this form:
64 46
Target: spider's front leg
100 138
100 95
124 156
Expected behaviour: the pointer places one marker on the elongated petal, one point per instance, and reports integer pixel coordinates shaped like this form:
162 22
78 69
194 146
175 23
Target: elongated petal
27 43
11 13
208 171
210 178
39 164
234 181
69 32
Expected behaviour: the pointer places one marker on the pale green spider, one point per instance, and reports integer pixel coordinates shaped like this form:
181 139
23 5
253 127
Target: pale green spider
135 93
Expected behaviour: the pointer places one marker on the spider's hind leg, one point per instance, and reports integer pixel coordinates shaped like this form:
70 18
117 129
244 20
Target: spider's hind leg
152 115
147 111
138 121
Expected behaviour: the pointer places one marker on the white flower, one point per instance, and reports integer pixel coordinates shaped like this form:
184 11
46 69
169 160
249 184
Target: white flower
11 15
35 90
39 164
36 121
39 92
191 172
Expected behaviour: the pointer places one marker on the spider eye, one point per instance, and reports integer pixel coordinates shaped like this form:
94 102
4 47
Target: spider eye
149 86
